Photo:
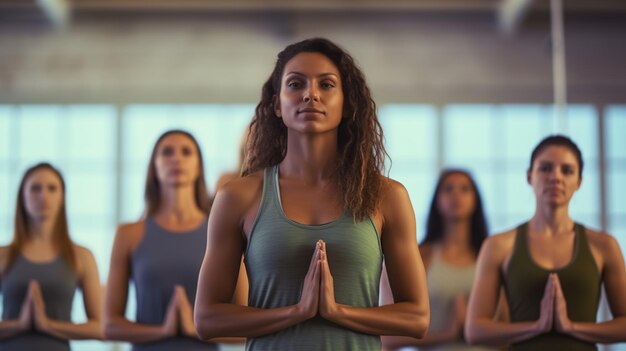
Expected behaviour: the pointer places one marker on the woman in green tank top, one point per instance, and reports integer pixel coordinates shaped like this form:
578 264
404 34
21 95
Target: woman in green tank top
550 267
313 215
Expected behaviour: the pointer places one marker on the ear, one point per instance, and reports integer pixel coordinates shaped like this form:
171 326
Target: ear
277 110
528 177
580 182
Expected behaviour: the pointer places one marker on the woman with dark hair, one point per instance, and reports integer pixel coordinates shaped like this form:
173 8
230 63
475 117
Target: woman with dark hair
551 268
41 269
162 252
313 215
455 231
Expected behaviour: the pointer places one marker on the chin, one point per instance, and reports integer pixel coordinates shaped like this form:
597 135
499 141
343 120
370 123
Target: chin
178 183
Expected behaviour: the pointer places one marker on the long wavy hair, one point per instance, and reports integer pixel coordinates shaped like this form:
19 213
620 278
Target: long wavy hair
435 223
22 226
152 193
360 137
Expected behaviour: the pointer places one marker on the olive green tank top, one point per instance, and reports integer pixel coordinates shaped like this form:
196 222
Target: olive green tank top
525 283
277 259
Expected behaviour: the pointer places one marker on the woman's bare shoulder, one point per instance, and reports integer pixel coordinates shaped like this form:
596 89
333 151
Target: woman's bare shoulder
241 191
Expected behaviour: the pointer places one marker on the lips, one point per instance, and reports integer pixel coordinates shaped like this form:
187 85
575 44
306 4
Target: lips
554 190
310 110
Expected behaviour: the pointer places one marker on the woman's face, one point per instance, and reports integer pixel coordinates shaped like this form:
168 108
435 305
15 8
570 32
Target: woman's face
456 199
555 176
176 161
311 95
43 195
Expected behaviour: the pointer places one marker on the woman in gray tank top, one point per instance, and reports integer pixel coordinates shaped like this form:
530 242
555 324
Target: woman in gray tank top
162 253
456 229
41 269
314 216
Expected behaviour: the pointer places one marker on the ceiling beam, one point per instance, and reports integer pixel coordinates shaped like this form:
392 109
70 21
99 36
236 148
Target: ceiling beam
57 11
511 13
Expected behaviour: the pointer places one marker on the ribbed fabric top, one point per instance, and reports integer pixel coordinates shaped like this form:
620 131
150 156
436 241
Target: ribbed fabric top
278 257
164 259
445 282
58 283
525 283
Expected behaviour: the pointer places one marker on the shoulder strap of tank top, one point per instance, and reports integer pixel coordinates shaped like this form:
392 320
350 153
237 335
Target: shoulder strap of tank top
584 250
521 240
150 227
268 195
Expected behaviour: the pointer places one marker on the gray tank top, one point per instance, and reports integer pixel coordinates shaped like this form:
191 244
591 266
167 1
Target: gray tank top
277 259
164 259
58 283
444 283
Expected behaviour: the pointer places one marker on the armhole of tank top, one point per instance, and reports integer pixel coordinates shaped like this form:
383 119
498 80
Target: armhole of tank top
378 237
583 241
262 206
144 231
518 244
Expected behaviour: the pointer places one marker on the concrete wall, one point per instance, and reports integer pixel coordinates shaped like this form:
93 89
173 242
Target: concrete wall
435 57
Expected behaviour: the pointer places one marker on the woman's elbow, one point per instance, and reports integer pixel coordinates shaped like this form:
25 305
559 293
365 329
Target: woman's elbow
205 327
109 329
97 329
419 324
422 325
470 332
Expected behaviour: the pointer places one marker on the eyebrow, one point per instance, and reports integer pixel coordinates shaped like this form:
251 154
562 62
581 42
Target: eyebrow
552 162
319 75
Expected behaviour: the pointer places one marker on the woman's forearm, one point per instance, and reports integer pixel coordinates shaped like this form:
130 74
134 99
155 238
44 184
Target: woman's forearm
232 320
121 329
402 319
606 332
430 339
490 332
9 328
75 331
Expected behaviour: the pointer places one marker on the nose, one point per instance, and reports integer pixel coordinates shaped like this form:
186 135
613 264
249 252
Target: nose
311 94
556 174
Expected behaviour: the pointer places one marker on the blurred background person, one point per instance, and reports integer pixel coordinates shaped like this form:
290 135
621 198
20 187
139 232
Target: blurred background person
42 268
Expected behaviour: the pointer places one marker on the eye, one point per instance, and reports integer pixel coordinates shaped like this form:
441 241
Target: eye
447 188
466 188
328 85
187 151
545 167
36 188
167 151
294 84
567 170
52 188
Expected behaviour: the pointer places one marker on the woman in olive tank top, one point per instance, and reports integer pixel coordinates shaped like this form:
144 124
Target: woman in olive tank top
42 268
162 253
550 267
314 216
455 230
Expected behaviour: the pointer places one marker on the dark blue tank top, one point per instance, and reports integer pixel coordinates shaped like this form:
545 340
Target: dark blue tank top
57 281
162 260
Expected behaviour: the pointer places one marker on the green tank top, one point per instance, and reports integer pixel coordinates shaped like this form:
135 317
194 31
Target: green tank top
277 259
525 283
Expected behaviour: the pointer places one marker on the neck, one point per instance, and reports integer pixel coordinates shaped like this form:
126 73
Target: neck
312 157
457 233
42 231
178 204
551 220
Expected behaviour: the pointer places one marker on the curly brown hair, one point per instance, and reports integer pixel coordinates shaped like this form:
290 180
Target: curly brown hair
360 137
